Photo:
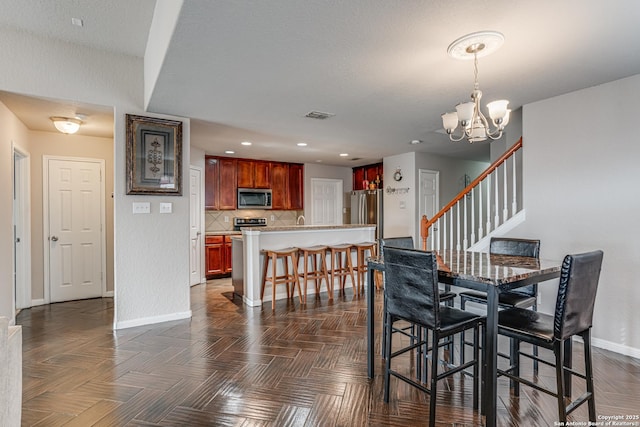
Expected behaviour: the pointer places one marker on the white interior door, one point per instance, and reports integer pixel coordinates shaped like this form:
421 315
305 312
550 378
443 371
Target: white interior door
21 229
429 197
73 228
196 210
326 195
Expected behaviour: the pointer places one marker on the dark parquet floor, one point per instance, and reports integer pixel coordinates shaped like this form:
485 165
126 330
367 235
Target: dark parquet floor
232 365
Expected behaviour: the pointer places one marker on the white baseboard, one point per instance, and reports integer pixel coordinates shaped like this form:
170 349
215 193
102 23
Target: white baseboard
36 302
108 294
152 320
616 348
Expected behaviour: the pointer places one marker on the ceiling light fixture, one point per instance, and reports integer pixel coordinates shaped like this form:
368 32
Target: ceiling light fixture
301 144
474 125
245 143
344 154
66 125
416 141
229 152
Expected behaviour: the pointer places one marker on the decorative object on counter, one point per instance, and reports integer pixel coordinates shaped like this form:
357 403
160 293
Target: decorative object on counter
372 186
154 156
473 124
397 176
365 184
393 190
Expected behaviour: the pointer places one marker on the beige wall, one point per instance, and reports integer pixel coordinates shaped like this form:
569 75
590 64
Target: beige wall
57 144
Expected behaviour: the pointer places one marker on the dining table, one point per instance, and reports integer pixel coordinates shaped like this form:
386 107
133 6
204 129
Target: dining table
479 271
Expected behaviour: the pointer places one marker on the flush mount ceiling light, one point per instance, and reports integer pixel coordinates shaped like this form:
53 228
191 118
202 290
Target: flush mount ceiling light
473 124
245 143
66 125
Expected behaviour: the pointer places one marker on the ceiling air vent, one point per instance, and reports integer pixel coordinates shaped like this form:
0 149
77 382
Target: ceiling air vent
318 115
356 158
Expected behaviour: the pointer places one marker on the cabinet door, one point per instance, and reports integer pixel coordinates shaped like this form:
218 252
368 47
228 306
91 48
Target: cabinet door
227 254
358 177
262 174
215 259
227 189
371 173
246 171
296 186
211 178
279 182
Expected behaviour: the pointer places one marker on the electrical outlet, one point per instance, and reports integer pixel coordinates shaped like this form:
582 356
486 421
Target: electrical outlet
273 217
226 219
141 207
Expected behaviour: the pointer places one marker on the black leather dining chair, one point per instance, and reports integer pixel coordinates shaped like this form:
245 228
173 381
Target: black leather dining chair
412 295
445 296
573 316
524 297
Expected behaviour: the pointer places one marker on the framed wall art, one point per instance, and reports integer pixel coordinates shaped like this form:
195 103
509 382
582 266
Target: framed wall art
154 156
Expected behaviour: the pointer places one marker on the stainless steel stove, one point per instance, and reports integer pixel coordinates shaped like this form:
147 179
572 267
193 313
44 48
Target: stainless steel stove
238 223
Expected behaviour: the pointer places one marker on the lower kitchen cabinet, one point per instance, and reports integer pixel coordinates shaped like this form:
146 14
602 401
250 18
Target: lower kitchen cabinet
217 251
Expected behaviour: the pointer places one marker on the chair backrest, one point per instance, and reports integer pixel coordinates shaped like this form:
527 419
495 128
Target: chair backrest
577 293
517 247
411 285
396 242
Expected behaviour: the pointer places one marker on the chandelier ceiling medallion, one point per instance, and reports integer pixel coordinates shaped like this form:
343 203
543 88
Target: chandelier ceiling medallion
473 124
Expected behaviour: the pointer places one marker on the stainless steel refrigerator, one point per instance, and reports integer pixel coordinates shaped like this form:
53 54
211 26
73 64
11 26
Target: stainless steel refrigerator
366 208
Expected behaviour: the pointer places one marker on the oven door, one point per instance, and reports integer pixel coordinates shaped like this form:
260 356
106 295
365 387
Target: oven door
250 198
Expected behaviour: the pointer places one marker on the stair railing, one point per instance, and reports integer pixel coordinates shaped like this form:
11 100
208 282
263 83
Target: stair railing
476 211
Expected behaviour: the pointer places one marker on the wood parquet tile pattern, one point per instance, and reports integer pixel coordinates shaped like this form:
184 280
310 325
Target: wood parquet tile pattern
232 365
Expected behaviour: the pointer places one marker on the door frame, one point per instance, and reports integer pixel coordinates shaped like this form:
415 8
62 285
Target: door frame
45 220
21 176
203 277
421 196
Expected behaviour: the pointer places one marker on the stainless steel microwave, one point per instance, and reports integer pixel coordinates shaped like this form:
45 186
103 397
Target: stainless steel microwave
254 198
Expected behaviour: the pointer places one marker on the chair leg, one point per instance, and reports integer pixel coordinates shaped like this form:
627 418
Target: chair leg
463 302
476 370
387 351
560 383
434 379
534 307
514 359
586 338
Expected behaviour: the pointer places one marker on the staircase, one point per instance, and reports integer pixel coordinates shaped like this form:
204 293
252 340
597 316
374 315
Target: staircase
486 207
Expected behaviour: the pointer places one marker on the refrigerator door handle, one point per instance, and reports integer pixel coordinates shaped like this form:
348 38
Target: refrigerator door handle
363 211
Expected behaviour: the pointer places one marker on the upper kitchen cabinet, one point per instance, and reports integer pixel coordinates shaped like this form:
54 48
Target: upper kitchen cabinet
296 186
370 173
254 174
220 183
279 186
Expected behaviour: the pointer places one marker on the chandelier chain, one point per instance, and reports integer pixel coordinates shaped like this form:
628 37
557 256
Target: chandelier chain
476 86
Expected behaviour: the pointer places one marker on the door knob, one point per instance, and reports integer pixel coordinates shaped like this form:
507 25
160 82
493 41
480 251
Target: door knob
54 238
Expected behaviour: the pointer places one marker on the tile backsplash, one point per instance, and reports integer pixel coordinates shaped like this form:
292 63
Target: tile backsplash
223 220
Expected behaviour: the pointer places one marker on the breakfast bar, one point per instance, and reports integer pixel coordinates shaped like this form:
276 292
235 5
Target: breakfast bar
247 268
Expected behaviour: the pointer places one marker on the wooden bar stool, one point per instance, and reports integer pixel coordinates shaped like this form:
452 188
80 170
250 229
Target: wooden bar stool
338 269
361 260
288 278
309 256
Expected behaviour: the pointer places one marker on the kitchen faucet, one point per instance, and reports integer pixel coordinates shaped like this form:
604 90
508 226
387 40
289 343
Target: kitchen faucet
301 217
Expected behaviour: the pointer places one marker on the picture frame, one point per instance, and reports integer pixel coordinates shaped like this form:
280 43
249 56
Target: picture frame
154 156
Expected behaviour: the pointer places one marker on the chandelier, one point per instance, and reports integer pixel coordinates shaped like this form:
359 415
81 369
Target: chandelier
473 124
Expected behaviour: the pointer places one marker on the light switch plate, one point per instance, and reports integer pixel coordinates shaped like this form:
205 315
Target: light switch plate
141 207
166 207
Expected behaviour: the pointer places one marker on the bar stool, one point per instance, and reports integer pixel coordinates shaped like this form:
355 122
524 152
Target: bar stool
287 278
309 256
337 268
361 260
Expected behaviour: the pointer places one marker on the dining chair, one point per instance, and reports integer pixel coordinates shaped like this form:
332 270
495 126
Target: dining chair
412 295
573 317
445 296
524 297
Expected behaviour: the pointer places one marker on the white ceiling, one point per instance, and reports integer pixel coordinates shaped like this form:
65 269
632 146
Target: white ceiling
250 70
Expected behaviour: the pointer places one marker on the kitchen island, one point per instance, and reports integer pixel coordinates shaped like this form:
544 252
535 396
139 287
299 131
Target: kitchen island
247 269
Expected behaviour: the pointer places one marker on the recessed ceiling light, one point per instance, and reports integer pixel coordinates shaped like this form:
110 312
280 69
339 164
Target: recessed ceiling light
229 152
416 141
318 161
77 22
344 154
245 143
301 144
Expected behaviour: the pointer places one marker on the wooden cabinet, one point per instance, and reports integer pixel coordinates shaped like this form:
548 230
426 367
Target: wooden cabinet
296 186
369 173
279 186
227 184
220 183
218 255
253 174
224 175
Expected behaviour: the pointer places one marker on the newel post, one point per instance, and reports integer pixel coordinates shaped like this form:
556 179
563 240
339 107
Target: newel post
424 231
